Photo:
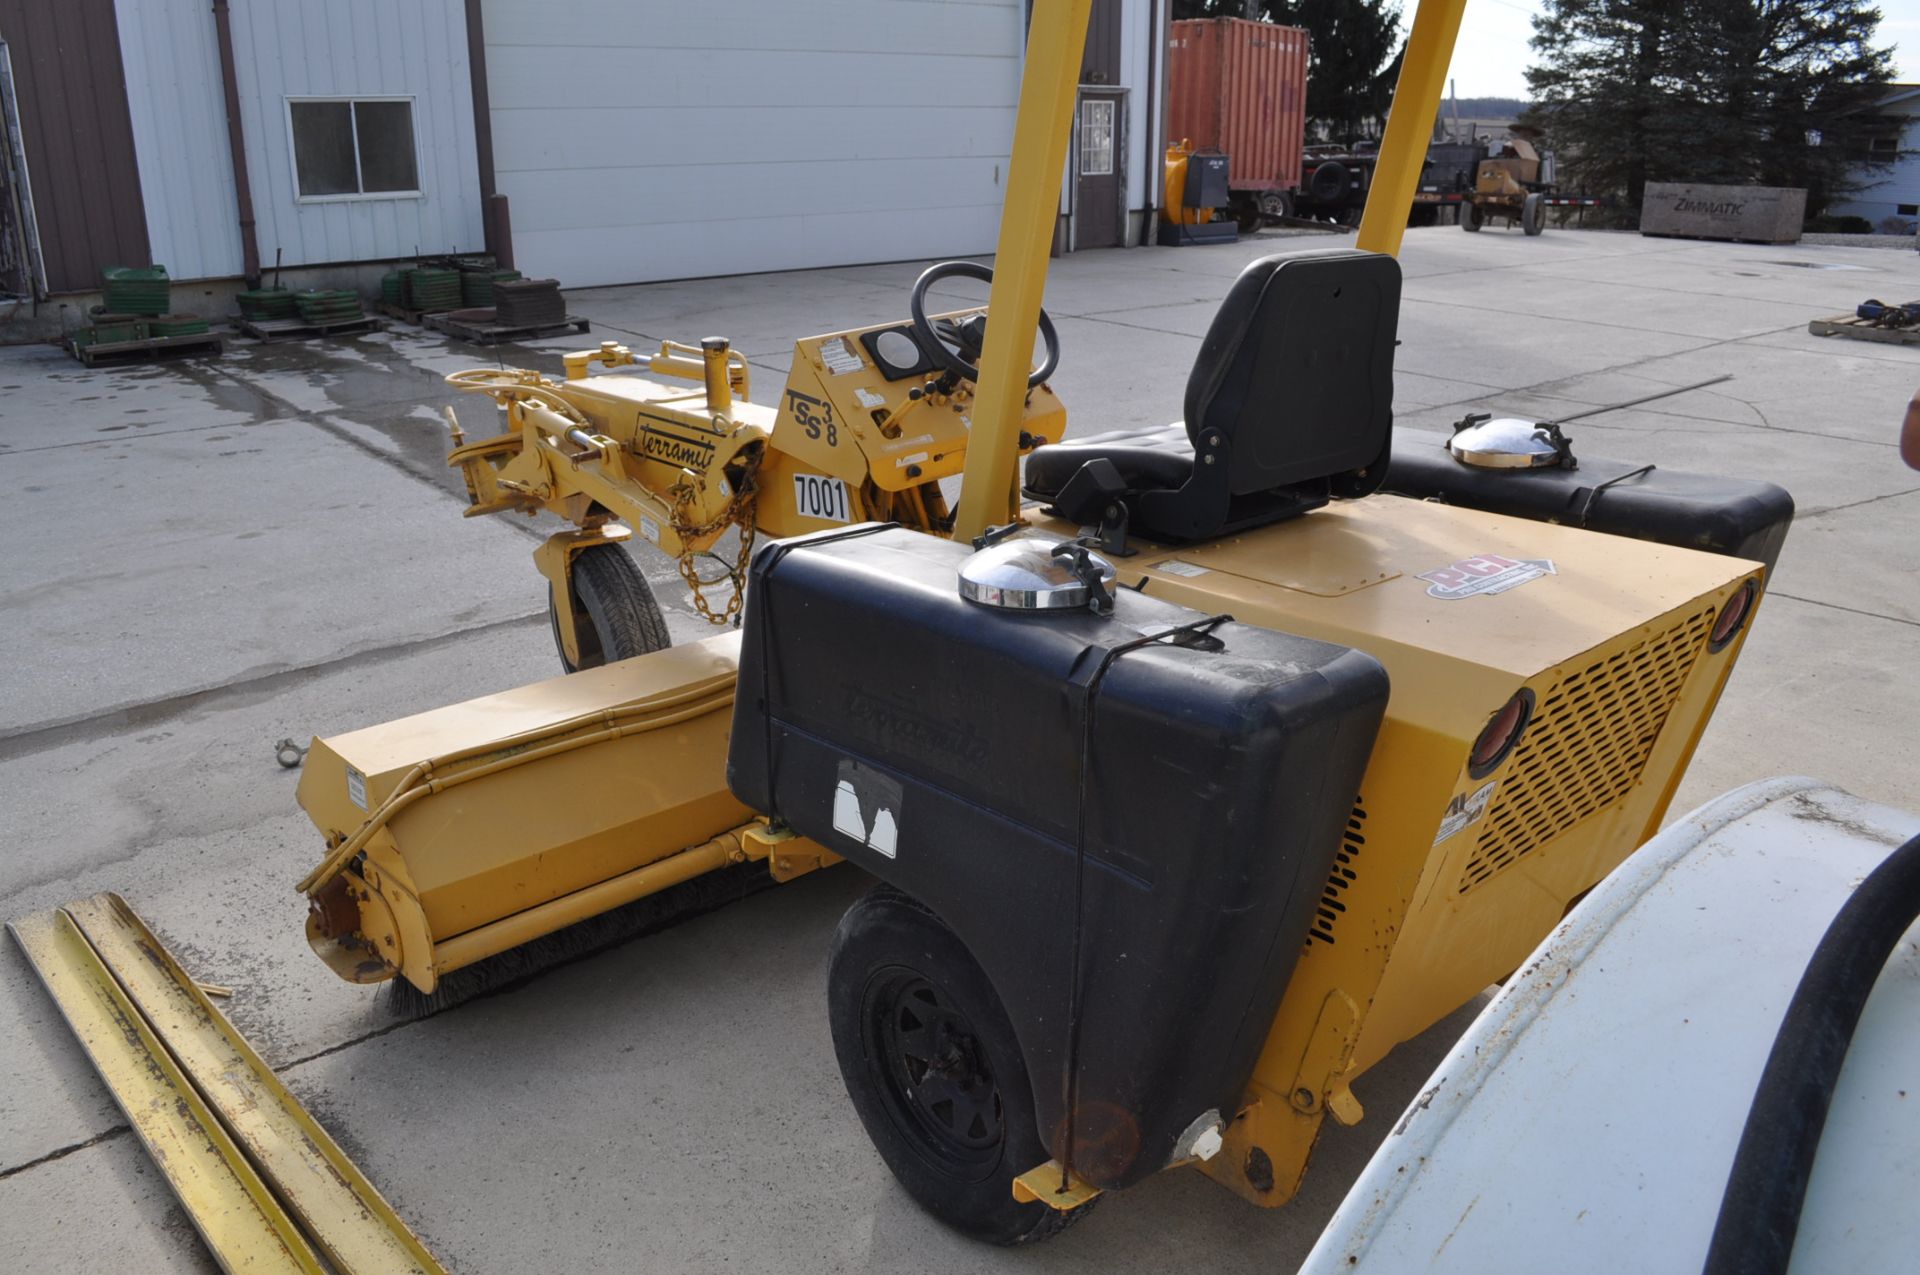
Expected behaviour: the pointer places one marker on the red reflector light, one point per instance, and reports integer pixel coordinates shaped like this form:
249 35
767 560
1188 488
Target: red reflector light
1732 617
1501 734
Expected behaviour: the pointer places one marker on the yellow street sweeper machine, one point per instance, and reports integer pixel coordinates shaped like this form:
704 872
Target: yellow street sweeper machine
1231 756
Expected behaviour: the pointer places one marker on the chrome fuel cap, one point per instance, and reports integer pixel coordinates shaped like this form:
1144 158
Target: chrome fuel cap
1023 574
1506 442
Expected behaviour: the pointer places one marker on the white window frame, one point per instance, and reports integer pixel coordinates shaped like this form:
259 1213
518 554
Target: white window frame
293 155
1112 128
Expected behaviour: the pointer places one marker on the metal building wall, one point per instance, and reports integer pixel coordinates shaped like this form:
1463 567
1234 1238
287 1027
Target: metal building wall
660 139
172 66
360 47
78 138
1141 66
1142 72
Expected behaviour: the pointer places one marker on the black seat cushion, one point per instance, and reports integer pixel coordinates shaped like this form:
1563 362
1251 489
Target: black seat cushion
1290 402
1147 459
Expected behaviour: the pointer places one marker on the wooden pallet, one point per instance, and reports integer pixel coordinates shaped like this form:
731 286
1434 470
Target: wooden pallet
457 323
406 314
297 329
1848 325
151 348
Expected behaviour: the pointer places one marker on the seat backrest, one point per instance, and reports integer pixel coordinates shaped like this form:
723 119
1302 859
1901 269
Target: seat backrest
1296 373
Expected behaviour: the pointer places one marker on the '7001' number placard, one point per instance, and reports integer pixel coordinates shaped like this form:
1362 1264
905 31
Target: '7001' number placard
822 498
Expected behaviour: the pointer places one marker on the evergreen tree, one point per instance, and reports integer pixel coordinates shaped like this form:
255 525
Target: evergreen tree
1773 92
1354 59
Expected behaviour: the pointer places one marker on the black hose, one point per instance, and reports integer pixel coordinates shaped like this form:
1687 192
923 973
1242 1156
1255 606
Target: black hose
1760 1212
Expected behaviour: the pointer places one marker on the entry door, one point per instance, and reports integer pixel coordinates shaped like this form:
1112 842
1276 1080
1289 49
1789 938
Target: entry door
1099 149
1099 221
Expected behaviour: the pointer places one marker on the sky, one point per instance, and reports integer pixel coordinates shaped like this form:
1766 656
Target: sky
1491 57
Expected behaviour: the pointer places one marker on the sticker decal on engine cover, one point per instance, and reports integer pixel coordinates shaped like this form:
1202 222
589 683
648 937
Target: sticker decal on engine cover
866 807
1464 811
1484 573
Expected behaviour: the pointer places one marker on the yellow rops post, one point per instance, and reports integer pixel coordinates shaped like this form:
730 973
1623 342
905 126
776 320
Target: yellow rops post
1196 782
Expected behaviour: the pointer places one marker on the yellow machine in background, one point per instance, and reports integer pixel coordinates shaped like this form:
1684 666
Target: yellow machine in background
869 423
1177 210
1548 684
1507 188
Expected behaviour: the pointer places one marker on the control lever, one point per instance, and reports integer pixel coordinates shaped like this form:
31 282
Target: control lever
994 535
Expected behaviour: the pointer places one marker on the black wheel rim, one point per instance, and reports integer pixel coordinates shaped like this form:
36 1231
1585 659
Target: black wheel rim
933 1073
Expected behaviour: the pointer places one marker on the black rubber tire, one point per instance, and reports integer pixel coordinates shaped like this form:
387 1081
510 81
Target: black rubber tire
1329 183
1247 216
1469 215
891 948
1533 214
622 618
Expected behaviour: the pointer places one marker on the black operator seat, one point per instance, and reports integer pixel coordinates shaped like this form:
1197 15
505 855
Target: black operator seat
1290 404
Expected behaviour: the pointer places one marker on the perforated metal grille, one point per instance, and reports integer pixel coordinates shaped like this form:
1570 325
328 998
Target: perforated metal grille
1332 903
1587 745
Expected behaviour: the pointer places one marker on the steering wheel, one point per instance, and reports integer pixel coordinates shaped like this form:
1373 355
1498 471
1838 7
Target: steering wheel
956 344
504 383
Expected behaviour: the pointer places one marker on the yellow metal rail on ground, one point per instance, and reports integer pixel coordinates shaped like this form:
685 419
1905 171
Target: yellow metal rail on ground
265 1185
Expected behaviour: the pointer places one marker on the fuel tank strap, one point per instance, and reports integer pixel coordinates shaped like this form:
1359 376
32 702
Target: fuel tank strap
265 1185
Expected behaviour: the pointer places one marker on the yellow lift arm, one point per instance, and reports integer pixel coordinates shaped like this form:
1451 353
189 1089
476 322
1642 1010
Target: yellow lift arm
1055 39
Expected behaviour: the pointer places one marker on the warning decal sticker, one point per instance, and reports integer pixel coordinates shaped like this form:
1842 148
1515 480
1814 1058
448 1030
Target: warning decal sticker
1464 811
1484 573
866 808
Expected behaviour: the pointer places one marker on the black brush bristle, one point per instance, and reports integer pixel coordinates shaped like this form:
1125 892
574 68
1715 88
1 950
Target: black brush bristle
586 938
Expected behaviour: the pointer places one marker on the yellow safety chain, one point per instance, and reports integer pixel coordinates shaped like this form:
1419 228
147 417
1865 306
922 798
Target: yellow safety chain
739 511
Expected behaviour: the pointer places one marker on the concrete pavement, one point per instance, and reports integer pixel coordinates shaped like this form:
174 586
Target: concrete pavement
206 557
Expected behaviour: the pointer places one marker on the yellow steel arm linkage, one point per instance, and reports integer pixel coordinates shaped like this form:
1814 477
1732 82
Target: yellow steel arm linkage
1416 100
1056 37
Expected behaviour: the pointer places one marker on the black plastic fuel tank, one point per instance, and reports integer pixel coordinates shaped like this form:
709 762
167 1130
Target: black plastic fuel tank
1735 516
942 746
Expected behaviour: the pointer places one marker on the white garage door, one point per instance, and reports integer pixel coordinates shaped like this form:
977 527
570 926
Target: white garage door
670 139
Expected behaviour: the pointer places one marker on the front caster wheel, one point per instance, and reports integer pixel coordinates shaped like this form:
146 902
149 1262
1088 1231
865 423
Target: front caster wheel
932 1066
614 613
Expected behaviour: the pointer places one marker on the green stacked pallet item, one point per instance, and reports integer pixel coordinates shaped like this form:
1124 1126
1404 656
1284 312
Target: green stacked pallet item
476 286
393 288
263 305
142 290
430 288
174 325
112 329
319 306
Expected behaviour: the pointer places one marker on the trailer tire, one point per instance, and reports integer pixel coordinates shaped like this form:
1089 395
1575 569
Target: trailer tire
900 980
1330 183
618 617
1469 216
1247 216
1533 214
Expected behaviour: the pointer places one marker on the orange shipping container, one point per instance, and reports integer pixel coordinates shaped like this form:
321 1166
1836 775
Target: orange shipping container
1240 87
